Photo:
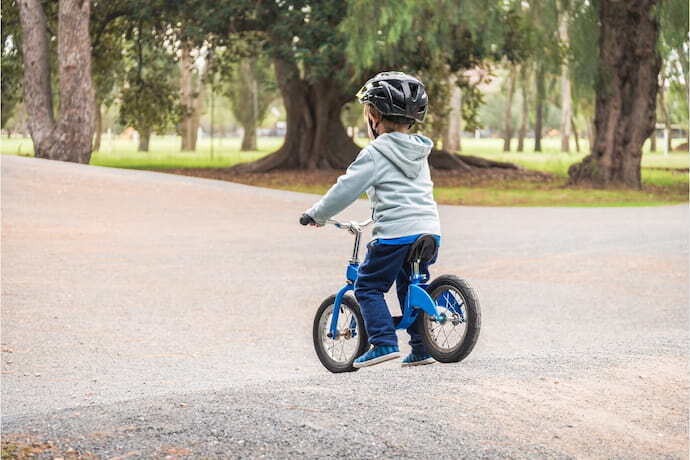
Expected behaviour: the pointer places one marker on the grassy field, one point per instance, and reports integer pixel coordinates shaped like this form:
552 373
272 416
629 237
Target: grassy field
165 152
665 177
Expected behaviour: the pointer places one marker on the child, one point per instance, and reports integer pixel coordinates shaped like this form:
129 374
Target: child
394 171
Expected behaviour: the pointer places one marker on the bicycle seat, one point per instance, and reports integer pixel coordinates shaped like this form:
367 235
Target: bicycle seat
423 250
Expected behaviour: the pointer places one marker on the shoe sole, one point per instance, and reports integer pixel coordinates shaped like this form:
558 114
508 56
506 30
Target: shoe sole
419 363
379 360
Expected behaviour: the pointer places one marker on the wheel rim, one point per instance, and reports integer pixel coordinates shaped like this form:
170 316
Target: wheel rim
447 332
342 349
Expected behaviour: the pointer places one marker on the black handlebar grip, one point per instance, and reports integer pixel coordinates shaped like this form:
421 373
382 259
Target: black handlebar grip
306 219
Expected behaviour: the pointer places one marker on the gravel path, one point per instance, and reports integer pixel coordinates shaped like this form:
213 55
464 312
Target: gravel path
146 314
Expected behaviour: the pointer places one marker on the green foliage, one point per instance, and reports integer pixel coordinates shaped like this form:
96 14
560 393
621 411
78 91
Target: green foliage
673 47
677 101
149 107
109 27
673 21
539 26
431 39
417 34
300 31
584 54
149 99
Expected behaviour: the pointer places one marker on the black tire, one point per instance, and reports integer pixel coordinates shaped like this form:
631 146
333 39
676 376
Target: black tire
321 340
472 320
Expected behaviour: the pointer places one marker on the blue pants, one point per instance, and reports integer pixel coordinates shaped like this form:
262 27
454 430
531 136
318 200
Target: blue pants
384 264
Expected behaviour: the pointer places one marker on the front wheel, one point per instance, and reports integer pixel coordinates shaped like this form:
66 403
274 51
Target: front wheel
452 334
337 353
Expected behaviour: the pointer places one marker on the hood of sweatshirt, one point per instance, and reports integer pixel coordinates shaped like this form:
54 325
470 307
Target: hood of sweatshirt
407 152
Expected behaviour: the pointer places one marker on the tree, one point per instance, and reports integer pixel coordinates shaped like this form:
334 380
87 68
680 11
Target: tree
508 117
583 49
540 29
673 48
566 97
438 88
452 135
67 138
435 38
251 87
11 63
524 115
108 30
191 97
304 42
626 88
149 98
540 95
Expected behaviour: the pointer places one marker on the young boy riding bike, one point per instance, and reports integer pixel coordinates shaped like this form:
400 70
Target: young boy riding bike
394 171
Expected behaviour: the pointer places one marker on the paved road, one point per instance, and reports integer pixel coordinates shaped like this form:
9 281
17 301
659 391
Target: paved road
147 314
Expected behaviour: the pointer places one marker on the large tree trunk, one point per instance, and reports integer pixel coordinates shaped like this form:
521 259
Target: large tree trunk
508 120
70 137
539 105
566 98
626 94
451 138
316 137
524 82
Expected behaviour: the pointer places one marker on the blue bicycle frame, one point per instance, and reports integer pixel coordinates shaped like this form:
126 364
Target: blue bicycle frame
417 297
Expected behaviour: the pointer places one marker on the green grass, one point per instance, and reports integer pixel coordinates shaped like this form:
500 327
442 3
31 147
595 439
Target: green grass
529 194
558 164
663 185
164 152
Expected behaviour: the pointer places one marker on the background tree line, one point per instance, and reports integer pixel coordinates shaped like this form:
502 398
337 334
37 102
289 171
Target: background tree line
603 70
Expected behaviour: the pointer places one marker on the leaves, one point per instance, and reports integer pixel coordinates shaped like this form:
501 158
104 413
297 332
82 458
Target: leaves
150 96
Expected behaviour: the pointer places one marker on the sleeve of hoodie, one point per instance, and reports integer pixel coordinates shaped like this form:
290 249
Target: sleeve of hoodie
356 180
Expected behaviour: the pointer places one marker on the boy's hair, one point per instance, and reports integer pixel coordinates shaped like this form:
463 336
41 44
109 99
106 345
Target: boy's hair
390 122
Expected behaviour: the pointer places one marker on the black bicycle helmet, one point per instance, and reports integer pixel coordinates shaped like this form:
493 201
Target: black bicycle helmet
398 96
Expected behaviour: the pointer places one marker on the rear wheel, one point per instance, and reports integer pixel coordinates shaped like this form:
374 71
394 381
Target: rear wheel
337 353
451 336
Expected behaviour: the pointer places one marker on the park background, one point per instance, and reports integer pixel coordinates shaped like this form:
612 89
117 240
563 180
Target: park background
516 83
155 315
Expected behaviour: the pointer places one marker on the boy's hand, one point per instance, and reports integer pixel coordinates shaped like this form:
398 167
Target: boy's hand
306 219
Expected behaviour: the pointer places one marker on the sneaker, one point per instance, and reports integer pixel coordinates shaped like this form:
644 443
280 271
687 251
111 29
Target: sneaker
417 360
376 355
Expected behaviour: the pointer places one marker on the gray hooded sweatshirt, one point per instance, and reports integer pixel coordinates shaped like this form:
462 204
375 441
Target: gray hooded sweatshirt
394 171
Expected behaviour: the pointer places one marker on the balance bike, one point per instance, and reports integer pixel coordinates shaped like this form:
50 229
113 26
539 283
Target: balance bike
448 309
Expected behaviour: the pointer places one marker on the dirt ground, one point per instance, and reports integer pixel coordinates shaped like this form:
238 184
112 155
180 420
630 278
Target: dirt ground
281 179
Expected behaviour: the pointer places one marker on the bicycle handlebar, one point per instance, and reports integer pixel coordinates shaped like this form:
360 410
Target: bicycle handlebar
353 227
